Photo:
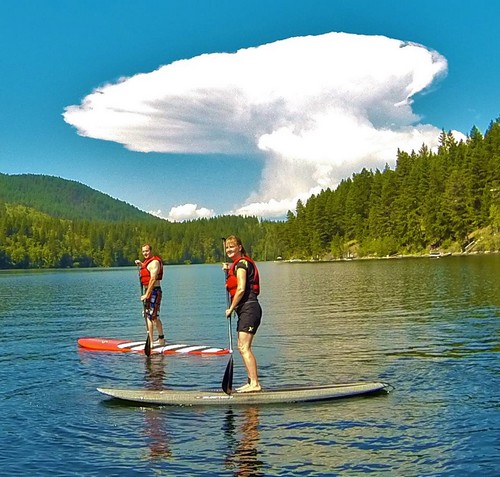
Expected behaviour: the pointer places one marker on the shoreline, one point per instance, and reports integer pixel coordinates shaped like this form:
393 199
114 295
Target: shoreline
389 257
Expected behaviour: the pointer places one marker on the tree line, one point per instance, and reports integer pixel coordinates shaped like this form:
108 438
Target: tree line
448 199
31 239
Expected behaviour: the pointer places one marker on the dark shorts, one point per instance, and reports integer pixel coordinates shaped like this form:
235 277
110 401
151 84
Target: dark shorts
249 316
152 305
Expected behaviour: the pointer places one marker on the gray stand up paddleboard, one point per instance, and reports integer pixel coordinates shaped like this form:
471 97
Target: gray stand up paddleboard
219 398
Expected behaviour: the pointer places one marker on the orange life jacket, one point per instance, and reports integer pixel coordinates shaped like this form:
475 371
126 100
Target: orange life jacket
145 274
252 279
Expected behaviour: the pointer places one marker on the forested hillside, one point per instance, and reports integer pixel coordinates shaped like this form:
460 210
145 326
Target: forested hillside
448 200
65 199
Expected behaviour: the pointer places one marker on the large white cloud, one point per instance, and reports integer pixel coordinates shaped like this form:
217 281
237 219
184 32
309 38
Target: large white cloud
318 107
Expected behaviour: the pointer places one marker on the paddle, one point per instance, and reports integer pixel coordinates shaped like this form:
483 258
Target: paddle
147 345
227 380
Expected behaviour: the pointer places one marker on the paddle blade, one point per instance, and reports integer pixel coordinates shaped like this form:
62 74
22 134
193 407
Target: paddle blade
227 380
147 347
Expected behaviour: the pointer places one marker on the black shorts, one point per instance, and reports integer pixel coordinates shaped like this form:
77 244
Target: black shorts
249 316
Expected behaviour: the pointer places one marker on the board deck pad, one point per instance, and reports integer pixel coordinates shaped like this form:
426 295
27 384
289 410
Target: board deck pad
117 345
219 398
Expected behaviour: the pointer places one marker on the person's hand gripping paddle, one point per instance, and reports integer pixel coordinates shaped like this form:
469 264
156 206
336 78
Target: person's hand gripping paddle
227 380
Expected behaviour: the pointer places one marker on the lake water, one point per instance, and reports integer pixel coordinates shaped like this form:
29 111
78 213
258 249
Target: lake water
429 327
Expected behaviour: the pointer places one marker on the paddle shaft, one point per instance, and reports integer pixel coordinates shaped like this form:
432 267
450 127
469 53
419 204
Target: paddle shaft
227 381
147 345
228 304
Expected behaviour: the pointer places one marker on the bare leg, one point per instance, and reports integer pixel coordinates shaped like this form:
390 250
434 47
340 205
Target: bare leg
159 327
245 348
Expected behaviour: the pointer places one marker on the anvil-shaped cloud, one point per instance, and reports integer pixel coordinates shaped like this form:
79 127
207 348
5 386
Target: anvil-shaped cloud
318 108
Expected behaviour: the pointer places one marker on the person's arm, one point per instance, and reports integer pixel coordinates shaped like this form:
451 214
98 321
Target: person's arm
154 268
241 275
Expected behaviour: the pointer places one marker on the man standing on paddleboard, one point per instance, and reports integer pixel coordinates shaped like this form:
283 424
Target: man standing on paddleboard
242 284
151 273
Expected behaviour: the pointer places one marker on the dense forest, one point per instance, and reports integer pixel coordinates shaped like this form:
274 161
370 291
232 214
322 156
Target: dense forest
447 200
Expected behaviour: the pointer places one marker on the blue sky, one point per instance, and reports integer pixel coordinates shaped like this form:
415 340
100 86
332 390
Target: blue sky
274 100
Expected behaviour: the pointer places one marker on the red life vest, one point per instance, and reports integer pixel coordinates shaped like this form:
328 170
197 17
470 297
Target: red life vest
252 282
145 274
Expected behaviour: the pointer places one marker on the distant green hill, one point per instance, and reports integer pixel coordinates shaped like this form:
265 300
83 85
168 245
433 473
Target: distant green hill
66 199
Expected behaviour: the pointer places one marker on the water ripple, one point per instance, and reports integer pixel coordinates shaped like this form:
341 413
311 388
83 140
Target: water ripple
430 328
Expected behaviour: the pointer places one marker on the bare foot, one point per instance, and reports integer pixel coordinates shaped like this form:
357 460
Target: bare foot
249 388
159 343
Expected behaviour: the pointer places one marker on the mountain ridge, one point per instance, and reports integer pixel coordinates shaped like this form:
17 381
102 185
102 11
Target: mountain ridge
66 199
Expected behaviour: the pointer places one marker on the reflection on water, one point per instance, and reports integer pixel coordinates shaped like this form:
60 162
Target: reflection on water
244 457
155 373
155 425
157 435
156 430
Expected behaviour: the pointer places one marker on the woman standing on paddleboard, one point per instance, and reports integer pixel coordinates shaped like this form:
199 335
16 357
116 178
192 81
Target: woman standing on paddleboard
243 286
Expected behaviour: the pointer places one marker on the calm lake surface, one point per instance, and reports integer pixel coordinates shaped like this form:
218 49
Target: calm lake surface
429 327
